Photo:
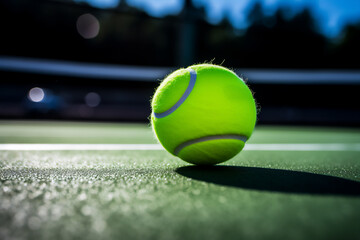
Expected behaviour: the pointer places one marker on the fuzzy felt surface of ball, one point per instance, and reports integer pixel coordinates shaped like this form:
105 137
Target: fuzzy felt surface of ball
203 114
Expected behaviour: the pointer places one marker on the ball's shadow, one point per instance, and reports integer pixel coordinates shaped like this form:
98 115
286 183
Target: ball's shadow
275 180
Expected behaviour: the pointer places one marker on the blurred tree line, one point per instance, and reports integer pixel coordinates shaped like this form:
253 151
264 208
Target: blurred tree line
47 29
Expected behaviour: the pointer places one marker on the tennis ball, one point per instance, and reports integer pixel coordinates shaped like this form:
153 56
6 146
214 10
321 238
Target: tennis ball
203 114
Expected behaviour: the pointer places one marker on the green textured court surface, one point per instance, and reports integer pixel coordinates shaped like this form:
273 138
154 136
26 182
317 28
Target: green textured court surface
308 193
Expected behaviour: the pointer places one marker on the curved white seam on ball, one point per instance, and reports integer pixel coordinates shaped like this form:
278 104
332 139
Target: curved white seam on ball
209 138
183 97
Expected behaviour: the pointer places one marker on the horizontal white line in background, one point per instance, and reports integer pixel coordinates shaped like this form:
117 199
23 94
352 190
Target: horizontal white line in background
81 69
139 147
138 73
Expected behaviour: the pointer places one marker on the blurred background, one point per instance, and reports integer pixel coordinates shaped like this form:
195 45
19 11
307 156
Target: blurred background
101 60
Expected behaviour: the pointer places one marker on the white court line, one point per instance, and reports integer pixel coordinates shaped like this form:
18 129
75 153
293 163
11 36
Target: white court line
71 147
303 147
140 147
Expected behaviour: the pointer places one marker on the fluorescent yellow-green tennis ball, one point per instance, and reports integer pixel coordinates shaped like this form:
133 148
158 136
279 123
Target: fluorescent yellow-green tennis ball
203 114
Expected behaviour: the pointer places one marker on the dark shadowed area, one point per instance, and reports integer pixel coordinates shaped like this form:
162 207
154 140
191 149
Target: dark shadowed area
275 180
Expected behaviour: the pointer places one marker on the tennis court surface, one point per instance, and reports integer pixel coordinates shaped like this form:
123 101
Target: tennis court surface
79 160
112 181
